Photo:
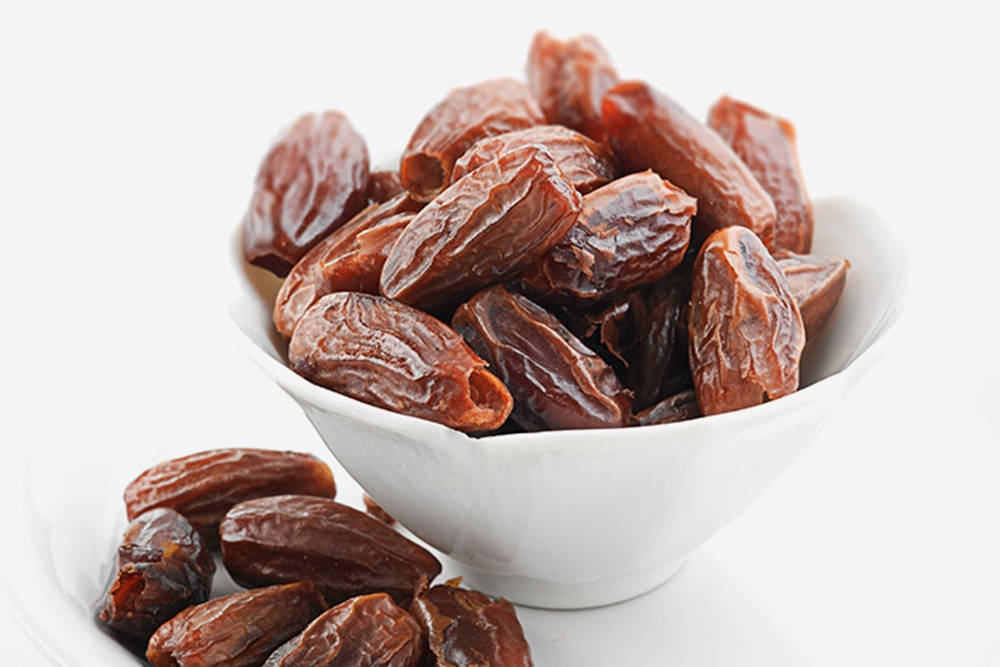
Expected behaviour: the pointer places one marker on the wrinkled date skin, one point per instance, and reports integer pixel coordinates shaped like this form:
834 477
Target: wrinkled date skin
238 630
376 510
816 283
612 329
464 117
205 485
466 628
746 334
388 354
366 631
630 233
314 179
648 130
568 79
766 144
163 566
383 185
492 223
349 259
676 408
658 366
556 381
585 163
343 551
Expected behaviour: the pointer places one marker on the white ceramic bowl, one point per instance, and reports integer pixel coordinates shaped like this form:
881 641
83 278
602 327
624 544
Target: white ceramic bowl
568 519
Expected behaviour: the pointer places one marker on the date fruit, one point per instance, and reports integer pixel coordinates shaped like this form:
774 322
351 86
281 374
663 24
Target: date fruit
676 408
648 130
658 366
461 119
205 485
746 334
584 162
343 551
383 185
365 631
314 179
816 283
611 329
163 566
630 233
556 381
568 79
376 510
492 223
467 628
766 144
388 354
238 630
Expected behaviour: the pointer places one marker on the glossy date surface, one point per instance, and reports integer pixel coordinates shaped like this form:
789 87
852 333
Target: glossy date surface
677 408
816 283
658 365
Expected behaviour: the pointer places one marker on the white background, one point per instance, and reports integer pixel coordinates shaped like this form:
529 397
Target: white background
129 139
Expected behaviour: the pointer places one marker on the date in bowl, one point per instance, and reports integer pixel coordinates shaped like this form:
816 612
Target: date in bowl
570 519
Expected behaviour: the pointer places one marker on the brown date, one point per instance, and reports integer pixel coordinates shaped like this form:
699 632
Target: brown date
746 334
648 130
461 119
365 631
584 162
349 259
238 630
766 144
568 79
631 232
383 185
205 485
376 510
676 408
468 628
162 567
658 365
314 179
388 354
816 283
611 329
343 551
492 223
556 381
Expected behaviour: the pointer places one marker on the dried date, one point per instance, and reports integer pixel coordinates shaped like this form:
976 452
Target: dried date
611 329
383 185
676 408
376 510
658 365
343 551
746 334
388 354
816 283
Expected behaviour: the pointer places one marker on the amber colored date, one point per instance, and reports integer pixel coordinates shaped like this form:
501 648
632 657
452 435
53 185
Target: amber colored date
314 179
162 567
383 185
630 233
205 485
388 354
343 551
648 130
556 381
746 334
816 283
568 79
376 510
658 365
365 631
492 223
238 630
464 117
677 408
611 329
466 628
766 144
585 163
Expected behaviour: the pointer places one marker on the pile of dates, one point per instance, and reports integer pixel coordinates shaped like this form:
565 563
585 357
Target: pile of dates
576 251
326 584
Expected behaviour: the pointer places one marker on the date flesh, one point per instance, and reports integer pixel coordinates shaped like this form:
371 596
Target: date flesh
162 567
383 185
238 630
205 485
343 551
816 283
314 179
461 119
568 79
648 130
584 162
365 631
658 366
376 510
611 329
677 408
556 381
492 223
630 233
746 334
466 628
390 355
766 144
